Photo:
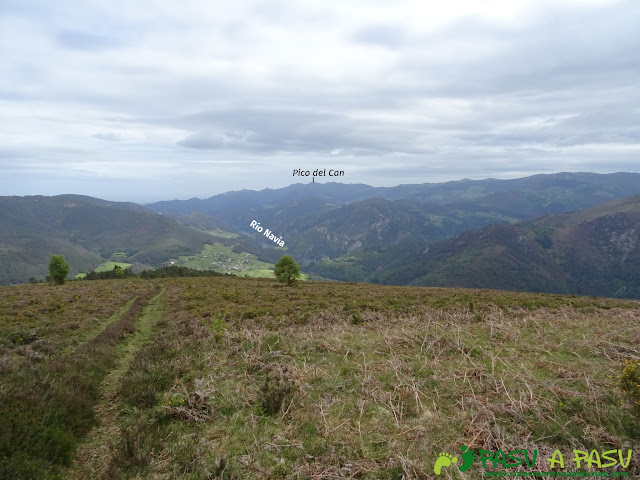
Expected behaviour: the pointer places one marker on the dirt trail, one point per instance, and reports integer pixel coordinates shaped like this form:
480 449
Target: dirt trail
94 454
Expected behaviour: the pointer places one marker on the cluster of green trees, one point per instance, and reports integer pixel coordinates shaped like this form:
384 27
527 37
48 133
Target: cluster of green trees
286 270
176 271
117 272
163 272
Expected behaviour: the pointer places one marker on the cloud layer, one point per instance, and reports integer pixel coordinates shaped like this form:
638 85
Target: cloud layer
155 99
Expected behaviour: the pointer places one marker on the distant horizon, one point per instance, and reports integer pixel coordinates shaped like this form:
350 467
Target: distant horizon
130 102
206 196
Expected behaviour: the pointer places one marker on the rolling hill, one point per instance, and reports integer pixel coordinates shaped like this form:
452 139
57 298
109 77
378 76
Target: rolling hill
593 251
347 232
87 231
376 222
516 198
323 221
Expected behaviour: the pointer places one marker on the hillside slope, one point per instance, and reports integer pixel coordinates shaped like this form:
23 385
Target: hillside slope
376 222
87 231
327 220
246 379
518 198
594 251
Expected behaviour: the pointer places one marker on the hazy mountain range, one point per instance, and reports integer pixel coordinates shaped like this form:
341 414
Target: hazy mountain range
506 234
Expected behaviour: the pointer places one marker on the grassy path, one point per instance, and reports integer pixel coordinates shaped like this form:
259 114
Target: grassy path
93 455
90 335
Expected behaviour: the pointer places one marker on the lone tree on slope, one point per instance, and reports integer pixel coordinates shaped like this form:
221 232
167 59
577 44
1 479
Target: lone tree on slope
58 269
287 270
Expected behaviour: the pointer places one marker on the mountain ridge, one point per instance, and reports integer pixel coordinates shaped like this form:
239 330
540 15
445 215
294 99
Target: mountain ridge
593 251
470 203
87 231
359 232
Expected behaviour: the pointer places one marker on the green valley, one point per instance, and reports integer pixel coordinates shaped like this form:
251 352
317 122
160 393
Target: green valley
223 259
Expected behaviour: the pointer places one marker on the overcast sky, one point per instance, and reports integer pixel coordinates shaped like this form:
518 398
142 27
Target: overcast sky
158 99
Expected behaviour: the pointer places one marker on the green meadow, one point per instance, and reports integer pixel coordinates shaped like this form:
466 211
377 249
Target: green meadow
108 266
223 259
245 378
221 233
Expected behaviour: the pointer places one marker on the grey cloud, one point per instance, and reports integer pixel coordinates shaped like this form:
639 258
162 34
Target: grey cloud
15 96
7 155
262 129
289 130
220 141
20 6
557 51
78 40
382 35
617 125
473 99
107 137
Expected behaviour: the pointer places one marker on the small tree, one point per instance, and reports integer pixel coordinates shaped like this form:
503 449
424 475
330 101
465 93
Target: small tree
58 269
287 270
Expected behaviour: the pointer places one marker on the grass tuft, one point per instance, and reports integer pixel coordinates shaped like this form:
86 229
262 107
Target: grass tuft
245 379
